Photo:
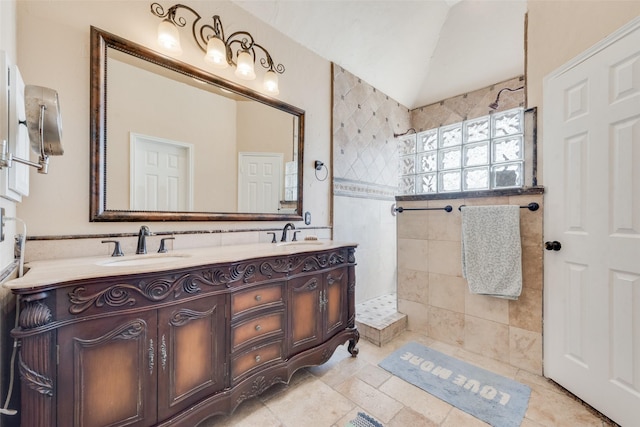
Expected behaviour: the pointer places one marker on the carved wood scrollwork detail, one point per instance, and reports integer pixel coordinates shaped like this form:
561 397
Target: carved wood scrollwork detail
331 279
280 265
129 331
260 384
320 261
326 355
351 255
308 263
125 294
34 380
352 287
235 273
309 285
34 314
184 316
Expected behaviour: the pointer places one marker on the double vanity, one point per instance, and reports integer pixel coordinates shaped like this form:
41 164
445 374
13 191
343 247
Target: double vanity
172 339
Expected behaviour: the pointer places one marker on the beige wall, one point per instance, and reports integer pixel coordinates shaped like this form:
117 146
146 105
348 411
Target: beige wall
560 30
59 202
264 130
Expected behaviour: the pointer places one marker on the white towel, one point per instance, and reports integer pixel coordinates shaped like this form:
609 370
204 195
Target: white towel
491 250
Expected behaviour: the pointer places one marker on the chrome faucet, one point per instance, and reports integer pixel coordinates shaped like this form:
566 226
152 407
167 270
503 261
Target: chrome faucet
142 240
288 226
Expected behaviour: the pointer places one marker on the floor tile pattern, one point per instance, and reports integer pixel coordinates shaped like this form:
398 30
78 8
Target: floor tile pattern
331 395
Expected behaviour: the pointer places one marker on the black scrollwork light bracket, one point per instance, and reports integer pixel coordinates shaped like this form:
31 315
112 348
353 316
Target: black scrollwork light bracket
242 41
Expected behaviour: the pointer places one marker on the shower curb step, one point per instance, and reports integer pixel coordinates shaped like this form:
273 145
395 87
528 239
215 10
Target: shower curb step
383 330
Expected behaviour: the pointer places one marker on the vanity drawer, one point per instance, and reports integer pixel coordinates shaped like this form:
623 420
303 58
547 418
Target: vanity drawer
242 302
256 328
254 358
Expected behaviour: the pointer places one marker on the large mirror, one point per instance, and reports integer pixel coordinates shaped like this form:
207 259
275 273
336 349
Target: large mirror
172 142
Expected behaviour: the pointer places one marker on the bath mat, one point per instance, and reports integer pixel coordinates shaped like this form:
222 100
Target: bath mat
494 399
363 420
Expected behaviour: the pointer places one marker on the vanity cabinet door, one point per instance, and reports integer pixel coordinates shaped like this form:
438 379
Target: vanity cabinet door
107 372
191 353
335 301
305 320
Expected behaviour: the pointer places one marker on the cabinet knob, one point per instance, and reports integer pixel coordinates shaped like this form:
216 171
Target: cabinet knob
258 358
258 327
258 297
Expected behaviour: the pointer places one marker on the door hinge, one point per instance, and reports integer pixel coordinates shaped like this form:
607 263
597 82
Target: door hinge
57 354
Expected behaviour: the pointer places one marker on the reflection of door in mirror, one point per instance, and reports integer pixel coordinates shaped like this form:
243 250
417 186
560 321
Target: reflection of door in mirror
143 98
259 182
161 174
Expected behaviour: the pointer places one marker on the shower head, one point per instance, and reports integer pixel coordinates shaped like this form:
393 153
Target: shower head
494 104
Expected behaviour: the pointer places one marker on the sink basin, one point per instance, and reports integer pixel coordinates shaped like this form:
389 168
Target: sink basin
141 260
301 243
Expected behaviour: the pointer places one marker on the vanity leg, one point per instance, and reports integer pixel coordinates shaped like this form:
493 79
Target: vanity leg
353 350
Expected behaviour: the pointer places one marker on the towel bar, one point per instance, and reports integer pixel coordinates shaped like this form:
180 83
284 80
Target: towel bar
447 208
533 206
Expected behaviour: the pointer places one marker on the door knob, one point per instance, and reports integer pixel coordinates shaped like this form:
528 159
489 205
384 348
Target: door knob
552 246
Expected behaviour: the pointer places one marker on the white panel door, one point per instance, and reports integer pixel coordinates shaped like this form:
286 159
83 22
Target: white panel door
259 182
592 207
161 175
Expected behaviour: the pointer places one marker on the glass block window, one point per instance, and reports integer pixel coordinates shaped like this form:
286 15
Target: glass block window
428 140
479 154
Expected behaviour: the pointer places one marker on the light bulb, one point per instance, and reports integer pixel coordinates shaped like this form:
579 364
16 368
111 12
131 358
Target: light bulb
168 37
244 67
216 53
270 82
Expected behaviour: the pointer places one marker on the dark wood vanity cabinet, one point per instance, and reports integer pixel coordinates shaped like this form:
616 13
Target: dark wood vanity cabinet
317 307
137 369
178 346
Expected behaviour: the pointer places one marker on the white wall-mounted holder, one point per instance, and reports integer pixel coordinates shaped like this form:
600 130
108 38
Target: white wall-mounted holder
14 182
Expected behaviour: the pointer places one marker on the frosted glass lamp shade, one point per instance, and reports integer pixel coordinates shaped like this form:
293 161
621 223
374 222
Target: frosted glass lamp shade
244 66
216 53
270 82
168 37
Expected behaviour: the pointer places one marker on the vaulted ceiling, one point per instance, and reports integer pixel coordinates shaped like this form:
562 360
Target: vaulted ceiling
416 51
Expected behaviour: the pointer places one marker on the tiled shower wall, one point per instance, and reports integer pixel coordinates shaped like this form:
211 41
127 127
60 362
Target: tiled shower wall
365 178
431 289
436 298
468 106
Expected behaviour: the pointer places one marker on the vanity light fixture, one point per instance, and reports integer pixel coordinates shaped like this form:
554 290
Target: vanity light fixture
238 50
169 37
494 104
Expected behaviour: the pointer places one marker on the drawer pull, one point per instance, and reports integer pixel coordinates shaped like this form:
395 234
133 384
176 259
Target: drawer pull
258 358
258 297
258 327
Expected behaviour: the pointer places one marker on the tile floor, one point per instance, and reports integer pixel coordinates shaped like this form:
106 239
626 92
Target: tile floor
332 394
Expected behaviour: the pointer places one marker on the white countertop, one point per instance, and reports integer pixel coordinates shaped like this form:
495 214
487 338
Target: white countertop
43 273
